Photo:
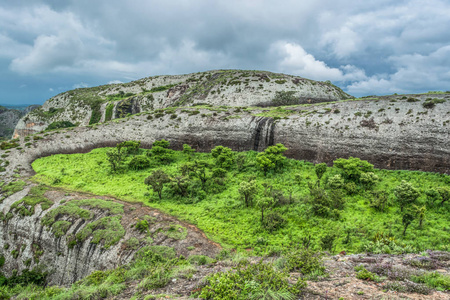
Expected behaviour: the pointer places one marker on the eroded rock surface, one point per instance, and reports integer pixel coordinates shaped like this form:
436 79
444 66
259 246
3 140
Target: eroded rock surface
69 235
222 87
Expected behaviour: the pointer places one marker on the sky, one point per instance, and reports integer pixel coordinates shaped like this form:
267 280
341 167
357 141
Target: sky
365 47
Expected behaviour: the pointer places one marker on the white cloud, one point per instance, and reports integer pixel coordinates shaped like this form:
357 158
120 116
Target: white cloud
295 60
114 82
413 72
50 89
80 85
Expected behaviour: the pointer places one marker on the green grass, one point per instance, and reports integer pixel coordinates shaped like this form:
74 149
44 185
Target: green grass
26 205
107 230
220 212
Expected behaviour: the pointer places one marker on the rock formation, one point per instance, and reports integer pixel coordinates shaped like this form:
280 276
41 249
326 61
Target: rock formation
224 87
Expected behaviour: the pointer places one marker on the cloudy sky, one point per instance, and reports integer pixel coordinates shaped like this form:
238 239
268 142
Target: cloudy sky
365 47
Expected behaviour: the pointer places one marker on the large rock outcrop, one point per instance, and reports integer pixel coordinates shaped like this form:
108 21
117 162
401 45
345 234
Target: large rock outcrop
69 235
223 87
390 132
9 119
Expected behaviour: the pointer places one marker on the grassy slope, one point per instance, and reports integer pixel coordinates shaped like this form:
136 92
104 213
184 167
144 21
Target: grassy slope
224 219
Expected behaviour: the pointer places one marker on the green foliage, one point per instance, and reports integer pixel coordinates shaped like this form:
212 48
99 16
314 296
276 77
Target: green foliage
248 191
320 169
444 192
271 158
285 98
430 103
406 194
27 277
272 221
160 152
369 179
363 274
223 156
59 125
157 180
247 281
305 261
11 188
115 158
139 162
162 143
109 111
142 226
214 204
26 205
433 280
335 182
130 147
188 151
107 230
352 168
263 204
9 145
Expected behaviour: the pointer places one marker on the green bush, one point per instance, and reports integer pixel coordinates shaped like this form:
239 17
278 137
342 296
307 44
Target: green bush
251 281
305 261
59 125
139 162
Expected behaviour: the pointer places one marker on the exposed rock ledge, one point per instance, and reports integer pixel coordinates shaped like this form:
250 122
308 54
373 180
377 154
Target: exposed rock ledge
391 135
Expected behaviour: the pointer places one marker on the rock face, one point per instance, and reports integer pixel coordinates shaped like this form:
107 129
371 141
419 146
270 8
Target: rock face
69 237
223 87
9 119
390 132
395 132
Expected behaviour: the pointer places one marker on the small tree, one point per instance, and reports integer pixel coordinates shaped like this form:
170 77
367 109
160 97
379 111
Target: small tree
444 192
336 182
248 190
240 159
407 219
380 200
157 180
182 184
264 162
420 212
369 179
223 157
130 147
188 151
264 203
406 194
115 158
199 171
320 170
352 168
162 143
271 158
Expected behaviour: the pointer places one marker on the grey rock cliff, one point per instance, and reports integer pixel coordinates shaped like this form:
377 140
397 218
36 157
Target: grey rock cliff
390 132
222 87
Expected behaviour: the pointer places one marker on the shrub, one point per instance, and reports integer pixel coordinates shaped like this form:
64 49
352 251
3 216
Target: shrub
247 281
59 124
142 226
352 168
285 98
139 162
273 221
304 261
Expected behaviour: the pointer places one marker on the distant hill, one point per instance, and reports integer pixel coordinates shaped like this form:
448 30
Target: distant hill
10 116
236 88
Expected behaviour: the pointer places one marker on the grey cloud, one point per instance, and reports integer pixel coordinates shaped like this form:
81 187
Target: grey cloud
365 47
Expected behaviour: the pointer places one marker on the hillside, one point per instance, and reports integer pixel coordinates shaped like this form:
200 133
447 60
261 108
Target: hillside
71 207
223 87
9 117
